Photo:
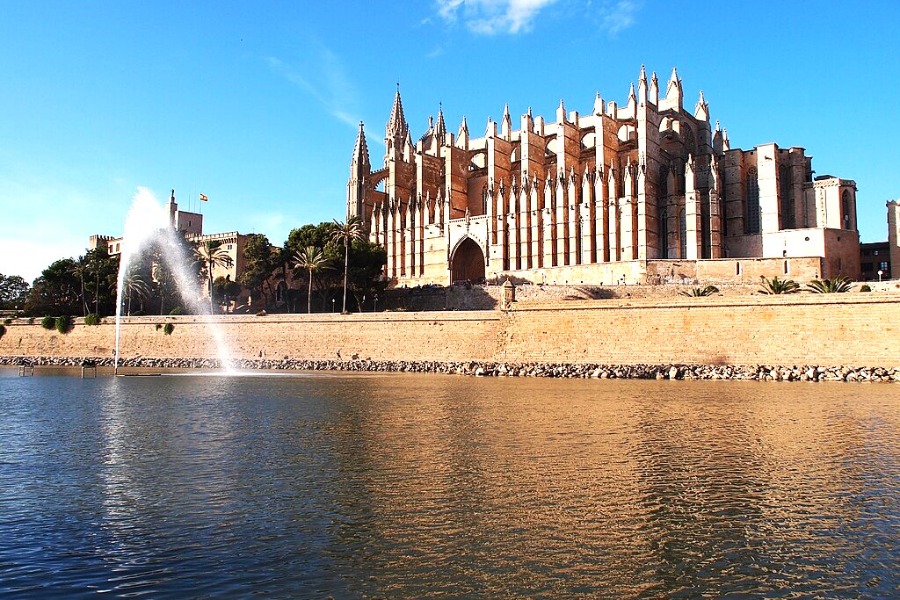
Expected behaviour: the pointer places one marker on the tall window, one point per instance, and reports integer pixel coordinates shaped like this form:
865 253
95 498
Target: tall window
663 228
845 210
788 220
751 216
662 188
682 232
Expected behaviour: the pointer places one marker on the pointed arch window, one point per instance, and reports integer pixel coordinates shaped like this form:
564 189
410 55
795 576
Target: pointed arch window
751 215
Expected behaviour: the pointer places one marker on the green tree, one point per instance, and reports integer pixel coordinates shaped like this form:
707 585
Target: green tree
312 260
224 289
258 266
835 285
101 279
345 232
13 292
367 263
210 254
134 286
56 290
82 270
778 286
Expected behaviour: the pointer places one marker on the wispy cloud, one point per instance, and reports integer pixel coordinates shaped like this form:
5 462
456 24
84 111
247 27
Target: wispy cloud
322 76
619 16
490 17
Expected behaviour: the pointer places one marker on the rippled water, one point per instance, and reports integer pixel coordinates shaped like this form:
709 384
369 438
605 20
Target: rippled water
401 486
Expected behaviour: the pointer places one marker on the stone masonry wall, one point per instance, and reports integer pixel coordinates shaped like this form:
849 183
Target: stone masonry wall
837 329
841 329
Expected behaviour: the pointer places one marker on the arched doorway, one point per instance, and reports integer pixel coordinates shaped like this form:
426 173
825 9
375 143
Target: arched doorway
467 263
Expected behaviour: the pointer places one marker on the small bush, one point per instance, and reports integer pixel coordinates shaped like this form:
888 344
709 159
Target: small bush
158 326
178 310
63 324
169 328
48 322
92 319
865 288
31 320
7 321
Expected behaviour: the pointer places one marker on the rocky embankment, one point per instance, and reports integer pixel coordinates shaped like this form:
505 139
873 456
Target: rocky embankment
492 369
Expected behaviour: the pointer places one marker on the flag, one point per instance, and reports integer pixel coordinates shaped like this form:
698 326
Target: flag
203 198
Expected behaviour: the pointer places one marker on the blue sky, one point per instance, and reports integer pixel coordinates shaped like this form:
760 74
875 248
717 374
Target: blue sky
256 103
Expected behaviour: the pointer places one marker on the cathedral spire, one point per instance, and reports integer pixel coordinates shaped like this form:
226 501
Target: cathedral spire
462 136
361 150
642 86
701 111
440 129
673 89
506 124
397 127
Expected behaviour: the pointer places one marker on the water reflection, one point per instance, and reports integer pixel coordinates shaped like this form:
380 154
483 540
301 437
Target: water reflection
412 486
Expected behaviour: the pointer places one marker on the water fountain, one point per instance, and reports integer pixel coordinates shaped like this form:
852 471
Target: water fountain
148 221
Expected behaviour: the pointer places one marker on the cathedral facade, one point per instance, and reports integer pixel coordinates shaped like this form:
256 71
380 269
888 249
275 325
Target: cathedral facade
639 193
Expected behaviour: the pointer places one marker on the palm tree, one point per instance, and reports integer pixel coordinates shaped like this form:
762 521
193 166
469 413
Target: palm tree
134 286
211 254
778 286
346 232
81 269
311 259
704 291
836 285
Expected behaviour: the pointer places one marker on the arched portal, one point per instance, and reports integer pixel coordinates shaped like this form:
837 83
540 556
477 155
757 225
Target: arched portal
467 263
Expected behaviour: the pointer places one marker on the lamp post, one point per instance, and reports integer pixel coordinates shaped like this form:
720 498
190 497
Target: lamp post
375 303
880 273
332 305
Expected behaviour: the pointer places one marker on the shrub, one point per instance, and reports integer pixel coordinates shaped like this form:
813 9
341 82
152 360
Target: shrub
63 324
7 321
778 286
699 292
169 328
158 326
92 319
31 320
48 322
835 285
178 310
865 288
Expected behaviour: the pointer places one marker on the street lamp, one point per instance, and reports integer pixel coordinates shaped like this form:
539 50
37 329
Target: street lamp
375 303
880 273
332 305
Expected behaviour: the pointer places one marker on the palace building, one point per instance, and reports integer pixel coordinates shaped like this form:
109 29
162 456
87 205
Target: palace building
642 192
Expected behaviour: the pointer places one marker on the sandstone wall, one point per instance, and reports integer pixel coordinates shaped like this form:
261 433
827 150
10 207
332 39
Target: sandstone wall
843 329
779 330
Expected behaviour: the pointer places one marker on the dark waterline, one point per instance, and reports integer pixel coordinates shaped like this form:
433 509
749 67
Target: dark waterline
410 486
